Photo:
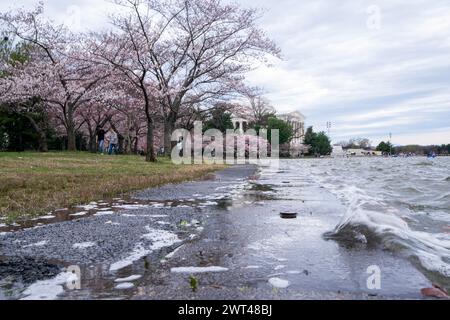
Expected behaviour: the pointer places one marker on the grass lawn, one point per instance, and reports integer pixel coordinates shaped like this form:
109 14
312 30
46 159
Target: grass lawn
33 184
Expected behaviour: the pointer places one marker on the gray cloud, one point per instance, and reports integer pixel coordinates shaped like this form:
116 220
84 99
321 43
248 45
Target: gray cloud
339 65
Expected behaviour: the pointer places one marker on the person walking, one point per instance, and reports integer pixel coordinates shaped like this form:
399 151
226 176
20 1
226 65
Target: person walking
101 140
113 141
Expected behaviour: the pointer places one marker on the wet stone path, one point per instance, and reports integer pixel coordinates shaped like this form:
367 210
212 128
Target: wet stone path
113 243
221 238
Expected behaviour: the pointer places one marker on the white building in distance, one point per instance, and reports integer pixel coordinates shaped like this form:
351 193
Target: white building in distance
296 119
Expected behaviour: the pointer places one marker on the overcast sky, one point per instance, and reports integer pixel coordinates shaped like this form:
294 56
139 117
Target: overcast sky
370 67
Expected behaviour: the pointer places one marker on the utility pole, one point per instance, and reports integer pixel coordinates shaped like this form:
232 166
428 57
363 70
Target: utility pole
390 143
329 128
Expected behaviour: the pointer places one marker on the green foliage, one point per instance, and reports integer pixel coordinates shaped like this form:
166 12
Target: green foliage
286 132
193 283
385 147
17 128
18 134
443 149
218 119
319 143
11 53
309 136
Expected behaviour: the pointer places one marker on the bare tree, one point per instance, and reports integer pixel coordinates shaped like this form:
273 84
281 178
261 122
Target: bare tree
259 109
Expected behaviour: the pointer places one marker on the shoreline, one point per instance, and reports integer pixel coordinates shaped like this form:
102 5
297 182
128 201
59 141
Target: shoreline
35 184
226 233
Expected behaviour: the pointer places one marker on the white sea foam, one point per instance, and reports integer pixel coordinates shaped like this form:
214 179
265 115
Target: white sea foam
279 283
159 239
104 213
87 207
128 279
37 244
124 286
46 217
138 252
78 214
378 193
48 289
198 269
131 206
83 245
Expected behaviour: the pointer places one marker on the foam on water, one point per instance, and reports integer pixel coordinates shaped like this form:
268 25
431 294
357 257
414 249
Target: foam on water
159 239
380 195
279 283
48 289
83 245
198 269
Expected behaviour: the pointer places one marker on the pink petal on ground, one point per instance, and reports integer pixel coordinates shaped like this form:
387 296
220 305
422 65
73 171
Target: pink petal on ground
434 293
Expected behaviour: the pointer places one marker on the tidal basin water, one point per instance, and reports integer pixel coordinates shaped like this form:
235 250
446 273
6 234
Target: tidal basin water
401 204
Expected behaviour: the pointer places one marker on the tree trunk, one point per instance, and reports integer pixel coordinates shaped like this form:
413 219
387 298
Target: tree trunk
42 138
71 134
150 157
167 138
71 139
121 143
135 145
92 143
169 126
92 139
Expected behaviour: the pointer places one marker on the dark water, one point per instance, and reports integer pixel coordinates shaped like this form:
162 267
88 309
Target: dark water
404 204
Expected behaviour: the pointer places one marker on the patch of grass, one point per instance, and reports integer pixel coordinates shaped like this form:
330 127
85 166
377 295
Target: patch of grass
193 283
33 184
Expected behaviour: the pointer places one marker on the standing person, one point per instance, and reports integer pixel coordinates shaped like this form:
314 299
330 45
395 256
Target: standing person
101 140
113 141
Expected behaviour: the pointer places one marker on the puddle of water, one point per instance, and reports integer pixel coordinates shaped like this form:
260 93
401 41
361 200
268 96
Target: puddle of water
97 280
103 208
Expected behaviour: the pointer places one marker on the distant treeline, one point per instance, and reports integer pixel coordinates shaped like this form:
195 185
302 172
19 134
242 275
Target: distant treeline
388 147
443 149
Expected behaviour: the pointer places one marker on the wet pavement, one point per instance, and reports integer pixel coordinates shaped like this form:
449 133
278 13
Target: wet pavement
221 238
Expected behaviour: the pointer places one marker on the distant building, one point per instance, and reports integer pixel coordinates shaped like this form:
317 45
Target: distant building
362 153
296 119
240 123
338 152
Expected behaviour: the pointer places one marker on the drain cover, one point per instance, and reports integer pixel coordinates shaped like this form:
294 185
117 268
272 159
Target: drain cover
288 215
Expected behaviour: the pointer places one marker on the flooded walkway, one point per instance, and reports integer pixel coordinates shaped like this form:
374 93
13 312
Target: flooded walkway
221 238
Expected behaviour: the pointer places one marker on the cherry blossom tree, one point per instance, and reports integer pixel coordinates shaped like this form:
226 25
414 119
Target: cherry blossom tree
59 70
128 119
95 117
258 108
190 51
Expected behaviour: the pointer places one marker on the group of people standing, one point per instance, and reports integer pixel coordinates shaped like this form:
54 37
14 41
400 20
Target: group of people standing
107 141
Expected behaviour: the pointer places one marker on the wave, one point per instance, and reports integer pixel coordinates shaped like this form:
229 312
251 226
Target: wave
424 163
362 223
